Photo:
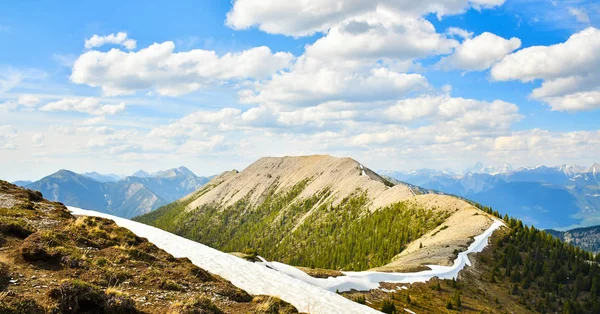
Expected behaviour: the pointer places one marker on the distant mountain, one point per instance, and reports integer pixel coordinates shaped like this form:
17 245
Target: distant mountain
22 183
141 174
548 197
479 167
129 197
585 238
102 177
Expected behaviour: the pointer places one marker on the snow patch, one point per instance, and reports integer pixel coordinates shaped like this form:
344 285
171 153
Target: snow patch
252 277
367 280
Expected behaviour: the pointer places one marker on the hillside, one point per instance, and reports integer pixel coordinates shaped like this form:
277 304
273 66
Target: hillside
325 212
585 238
329 213
128 197
53 262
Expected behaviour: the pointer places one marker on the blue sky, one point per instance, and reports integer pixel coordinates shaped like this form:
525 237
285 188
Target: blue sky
115 86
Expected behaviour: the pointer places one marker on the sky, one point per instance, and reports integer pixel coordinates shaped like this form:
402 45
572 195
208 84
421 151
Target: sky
213 85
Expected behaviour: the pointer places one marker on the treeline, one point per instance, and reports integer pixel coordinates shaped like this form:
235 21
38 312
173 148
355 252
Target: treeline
546 274
343 236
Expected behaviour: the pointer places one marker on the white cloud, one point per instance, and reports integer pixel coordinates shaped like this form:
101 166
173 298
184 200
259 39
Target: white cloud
8 134
196 123
301 18
455 31
312 82
568 70
115 39
480 53
38 140
158 68
580 14
11 78
28 100
381 34
90 105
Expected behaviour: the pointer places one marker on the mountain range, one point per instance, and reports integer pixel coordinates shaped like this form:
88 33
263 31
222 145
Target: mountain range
586 238
126 197
559 197
334 223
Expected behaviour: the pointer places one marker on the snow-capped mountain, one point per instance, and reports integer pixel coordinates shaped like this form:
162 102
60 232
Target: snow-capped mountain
540 195
479 167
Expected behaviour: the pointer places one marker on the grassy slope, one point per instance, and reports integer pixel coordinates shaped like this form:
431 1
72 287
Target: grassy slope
346 236
64 264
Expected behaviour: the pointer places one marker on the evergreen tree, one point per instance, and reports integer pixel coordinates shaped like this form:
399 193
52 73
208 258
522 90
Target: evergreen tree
388 307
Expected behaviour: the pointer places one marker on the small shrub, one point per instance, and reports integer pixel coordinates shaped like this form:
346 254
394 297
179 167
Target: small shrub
200 273
76 296
4 276
273 305
195 305
15 227
170 285
233 293
250 252
360 299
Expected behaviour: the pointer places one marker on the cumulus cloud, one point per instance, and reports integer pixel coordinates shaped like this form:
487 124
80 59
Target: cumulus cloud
312 82
90 105
378 35
301 18
480 53
158 68
28 100
568 71
115 39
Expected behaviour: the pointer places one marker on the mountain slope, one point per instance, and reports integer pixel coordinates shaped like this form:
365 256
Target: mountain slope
319 211
102 177
585 238
129 197
53 262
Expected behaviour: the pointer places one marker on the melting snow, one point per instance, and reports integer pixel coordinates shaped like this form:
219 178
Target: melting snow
308 294
367 280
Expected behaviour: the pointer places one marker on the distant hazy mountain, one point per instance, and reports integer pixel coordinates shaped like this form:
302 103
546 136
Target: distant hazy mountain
585 238
129 197
479 167
102 177
548 197
141 174
22 183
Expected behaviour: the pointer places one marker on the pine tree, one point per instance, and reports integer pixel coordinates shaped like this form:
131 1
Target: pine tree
388 307
449 305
